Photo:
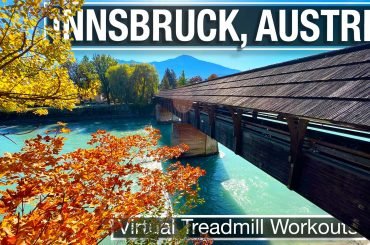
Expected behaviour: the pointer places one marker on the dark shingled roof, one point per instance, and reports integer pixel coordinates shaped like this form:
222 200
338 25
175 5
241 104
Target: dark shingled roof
332 87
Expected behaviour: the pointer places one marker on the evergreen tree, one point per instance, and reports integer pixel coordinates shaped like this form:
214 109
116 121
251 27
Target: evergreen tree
182 80
171 76
165 84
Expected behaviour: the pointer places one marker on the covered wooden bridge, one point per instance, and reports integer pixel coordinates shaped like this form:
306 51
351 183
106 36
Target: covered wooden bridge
305 122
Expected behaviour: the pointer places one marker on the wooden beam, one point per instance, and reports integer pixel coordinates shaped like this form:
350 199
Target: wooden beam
185 117
212 121
197 115
172 107
297 128
238 132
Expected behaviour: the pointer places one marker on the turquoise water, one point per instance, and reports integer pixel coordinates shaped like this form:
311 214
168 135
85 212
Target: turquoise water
231 186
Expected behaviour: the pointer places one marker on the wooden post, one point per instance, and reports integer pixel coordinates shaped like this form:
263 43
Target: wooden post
254 115
297 128
158 111
197 116
238 132
212 121
170 110
185 117
172 107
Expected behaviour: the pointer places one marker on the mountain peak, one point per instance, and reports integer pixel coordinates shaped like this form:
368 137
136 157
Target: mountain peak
191 66
184 56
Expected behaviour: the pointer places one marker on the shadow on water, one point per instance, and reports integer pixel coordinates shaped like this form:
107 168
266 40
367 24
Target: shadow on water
211 188
19 130
78 137
218 201
87 126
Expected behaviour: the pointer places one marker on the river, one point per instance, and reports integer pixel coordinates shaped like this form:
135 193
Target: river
232 185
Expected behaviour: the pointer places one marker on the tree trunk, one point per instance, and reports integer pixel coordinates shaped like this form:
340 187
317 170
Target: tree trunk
107 91
143 92
108 99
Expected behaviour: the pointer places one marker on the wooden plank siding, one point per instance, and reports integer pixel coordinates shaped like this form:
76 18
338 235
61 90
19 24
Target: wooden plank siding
332 87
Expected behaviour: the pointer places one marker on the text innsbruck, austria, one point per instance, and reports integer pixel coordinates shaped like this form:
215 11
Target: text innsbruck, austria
241 26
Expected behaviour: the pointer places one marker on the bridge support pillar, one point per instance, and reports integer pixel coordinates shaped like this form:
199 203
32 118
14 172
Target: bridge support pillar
164 115
297 128
199 143
212 121
197 115
238 132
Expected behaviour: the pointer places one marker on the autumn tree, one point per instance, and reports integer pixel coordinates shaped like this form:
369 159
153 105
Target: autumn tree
101 64
50 197
27 57
145 80
182 80
170 75
85 78
194 80
212 77
120 83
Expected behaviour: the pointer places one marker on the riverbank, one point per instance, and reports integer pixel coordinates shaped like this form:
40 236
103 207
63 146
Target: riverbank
80 113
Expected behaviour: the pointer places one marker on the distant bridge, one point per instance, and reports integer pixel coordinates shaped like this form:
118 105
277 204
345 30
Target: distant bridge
292 120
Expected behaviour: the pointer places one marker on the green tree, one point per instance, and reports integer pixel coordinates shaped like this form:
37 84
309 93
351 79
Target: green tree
89 83
165 84
171 77
72 70
101 64
120 83
182 80
145 80
86 79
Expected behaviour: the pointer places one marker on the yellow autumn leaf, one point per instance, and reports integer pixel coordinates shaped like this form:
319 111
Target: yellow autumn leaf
65 130
41 112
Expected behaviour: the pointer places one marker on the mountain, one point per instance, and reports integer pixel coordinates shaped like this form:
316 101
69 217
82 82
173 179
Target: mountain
191 66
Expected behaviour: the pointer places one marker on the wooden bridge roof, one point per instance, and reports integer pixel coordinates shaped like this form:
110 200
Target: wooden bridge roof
332 87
